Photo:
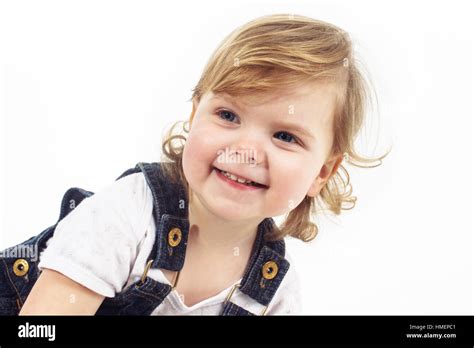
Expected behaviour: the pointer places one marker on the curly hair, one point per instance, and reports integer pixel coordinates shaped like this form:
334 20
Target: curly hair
283 50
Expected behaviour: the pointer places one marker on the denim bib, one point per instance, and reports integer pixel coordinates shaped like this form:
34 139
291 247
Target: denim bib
265 270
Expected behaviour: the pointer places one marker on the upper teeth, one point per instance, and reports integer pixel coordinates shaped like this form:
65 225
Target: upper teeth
236 178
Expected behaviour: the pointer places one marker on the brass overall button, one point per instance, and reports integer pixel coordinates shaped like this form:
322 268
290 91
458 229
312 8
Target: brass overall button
269 270
21 267
174 236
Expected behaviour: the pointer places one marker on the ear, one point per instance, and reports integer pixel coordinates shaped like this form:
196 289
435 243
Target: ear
327 170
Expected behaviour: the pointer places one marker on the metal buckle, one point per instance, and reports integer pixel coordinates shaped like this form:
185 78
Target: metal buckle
175 283
147 268
145 272
231 292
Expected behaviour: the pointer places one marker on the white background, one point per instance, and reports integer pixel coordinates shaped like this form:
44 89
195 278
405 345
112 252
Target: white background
87 89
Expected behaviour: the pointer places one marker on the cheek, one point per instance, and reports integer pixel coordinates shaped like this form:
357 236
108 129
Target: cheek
291 180
200 151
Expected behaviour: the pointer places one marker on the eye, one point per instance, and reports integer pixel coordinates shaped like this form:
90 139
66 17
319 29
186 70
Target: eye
229 116
226 115
284 136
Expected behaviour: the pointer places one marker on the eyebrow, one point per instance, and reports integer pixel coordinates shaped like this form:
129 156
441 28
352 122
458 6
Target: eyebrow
297 129
227 99
290 126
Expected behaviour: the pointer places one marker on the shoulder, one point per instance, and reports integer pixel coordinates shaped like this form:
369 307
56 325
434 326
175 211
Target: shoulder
104 229
133 185
126 191
291 282
126 204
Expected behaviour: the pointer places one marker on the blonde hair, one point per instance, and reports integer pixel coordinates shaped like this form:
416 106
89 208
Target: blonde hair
282 50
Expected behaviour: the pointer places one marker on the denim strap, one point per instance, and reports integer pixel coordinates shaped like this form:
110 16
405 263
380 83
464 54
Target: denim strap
254 283
170 210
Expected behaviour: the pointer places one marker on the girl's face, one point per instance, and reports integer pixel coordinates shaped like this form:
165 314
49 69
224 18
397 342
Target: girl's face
280 139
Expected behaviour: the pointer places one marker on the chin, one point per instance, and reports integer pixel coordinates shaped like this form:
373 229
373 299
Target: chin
227 209
230 212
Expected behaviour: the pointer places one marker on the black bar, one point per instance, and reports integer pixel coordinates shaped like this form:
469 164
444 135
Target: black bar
290 330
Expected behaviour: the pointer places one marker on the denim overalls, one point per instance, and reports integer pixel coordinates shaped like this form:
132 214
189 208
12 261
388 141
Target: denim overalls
265 270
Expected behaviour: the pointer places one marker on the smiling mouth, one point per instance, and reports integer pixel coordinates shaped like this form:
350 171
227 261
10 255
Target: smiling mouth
241 182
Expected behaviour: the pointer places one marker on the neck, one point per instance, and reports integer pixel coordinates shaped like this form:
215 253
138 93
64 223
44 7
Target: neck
215 235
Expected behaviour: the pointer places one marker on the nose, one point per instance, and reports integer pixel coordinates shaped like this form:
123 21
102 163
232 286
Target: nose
249 150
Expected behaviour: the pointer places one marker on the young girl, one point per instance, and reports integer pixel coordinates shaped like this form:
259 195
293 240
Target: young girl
275 113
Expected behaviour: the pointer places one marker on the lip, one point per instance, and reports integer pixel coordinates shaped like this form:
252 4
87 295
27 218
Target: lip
235 184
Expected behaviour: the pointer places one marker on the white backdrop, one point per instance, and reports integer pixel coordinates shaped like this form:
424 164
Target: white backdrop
87 89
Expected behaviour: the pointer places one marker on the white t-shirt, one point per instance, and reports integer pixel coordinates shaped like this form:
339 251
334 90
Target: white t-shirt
105 241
